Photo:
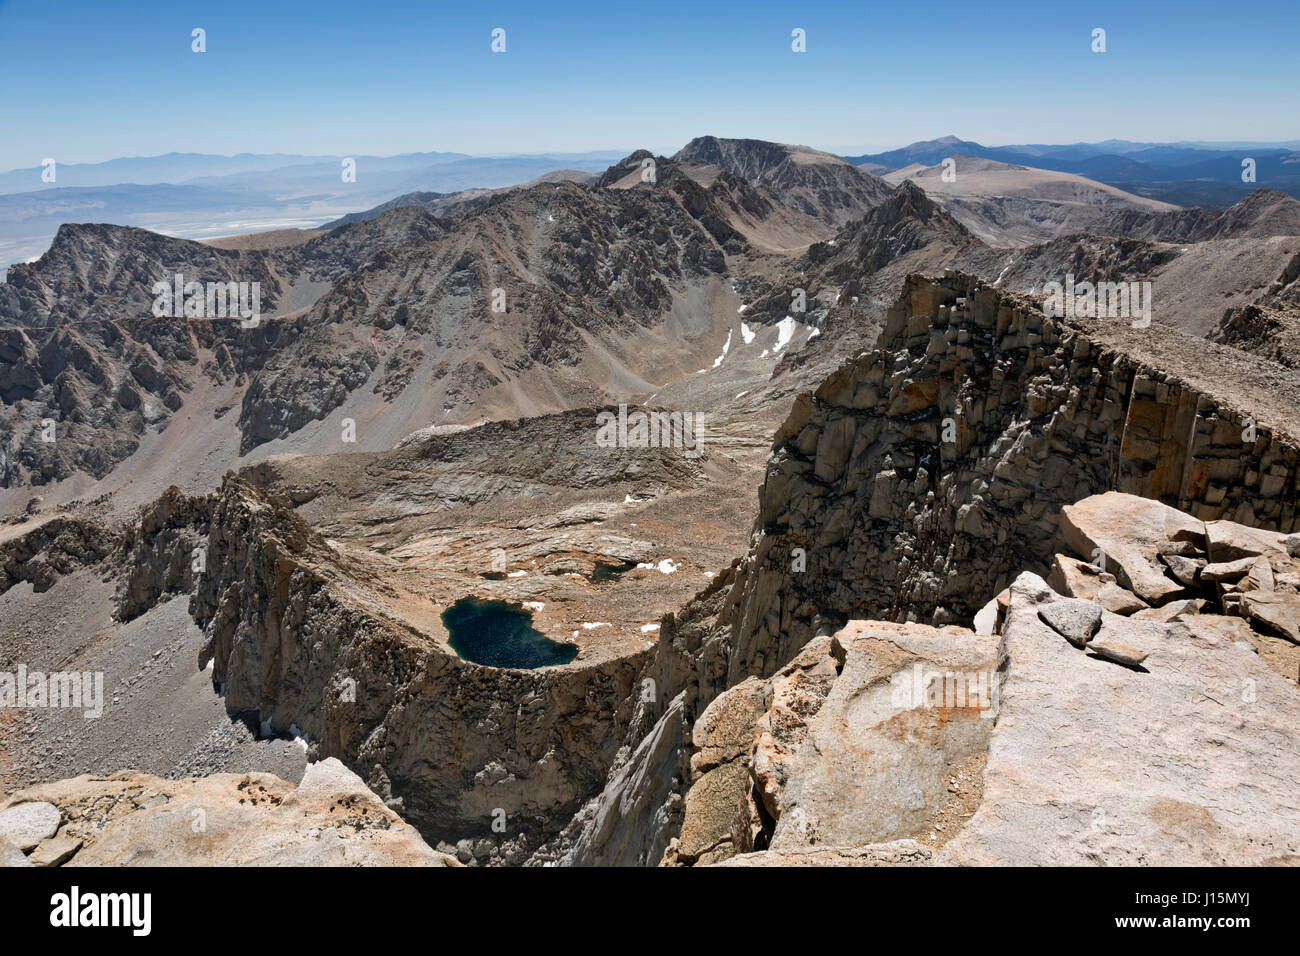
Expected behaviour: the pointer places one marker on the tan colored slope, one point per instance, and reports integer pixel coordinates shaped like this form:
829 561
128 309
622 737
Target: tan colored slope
1009 205
270 239
1193 283
986 177
427 521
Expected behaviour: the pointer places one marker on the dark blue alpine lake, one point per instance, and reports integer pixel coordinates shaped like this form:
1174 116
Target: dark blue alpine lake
500 634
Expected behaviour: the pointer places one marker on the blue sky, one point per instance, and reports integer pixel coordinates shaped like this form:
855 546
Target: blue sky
86 82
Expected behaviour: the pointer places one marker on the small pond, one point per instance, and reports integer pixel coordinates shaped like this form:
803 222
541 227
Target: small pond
500 634
610 572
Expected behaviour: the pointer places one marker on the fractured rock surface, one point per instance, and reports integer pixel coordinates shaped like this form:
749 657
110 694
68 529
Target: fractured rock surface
1188 762
862 739
133 819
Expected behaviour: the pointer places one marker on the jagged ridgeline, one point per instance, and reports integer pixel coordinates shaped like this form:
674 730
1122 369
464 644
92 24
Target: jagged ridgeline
923 475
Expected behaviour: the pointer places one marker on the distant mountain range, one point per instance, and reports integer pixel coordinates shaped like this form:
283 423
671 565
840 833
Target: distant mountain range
1206 174
256 169
201 196
676 286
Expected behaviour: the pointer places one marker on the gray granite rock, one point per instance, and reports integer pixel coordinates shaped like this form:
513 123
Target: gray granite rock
27 824
1074 619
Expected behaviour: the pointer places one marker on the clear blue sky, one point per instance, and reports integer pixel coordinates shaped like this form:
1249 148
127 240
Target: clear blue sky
86 82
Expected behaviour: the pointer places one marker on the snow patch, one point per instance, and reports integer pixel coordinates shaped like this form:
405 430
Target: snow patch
666 566
785 330
726 347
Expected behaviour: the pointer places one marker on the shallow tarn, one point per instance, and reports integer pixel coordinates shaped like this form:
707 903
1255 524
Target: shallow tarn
500 634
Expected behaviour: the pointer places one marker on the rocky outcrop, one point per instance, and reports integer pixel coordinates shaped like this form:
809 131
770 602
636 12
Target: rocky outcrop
923 477
875 734
930 471
815 183
1265 212
52 549
1078 736
1269 326
133 819
79 397
1094 762
906 221
109 271
641 804
163 552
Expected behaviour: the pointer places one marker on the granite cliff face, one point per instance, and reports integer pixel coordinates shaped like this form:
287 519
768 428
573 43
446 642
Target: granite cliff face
1059 732
924 477
337 641
927 473
294 641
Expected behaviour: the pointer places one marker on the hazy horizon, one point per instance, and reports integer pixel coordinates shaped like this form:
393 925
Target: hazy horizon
617 153
575 79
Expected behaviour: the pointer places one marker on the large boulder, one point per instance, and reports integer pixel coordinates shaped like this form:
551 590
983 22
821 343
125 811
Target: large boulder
1128 533
24 825
1096 763
874 735
1277 611
1229 541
